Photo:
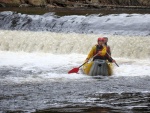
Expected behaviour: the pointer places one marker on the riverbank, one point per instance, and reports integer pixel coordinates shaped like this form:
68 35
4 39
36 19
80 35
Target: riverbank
89 4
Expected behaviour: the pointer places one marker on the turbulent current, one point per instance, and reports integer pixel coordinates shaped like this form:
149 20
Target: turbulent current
118 24
34 63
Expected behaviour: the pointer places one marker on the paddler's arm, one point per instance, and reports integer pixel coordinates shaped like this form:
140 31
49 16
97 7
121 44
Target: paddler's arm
91 53
107 53
109 58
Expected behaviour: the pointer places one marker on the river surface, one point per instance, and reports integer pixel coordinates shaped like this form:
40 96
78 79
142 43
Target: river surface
73 11
36 56
38 82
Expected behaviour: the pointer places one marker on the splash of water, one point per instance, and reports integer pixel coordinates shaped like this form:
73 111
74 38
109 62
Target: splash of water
61 43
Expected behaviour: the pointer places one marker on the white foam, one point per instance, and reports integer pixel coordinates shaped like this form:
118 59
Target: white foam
43 66
62 43
46 67
132 67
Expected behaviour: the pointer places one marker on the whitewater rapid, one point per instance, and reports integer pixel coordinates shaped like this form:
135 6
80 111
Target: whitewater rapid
135 47
44 56
45 67
35 59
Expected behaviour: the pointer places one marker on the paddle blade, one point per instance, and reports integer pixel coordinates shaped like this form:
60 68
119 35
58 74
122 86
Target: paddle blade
74 70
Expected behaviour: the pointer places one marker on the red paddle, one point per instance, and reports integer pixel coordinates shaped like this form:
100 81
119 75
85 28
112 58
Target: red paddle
75 70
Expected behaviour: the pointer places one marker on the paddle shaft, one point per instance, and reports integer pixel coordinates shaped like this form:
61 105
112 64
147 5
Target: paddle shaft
112 59
88 60
95 56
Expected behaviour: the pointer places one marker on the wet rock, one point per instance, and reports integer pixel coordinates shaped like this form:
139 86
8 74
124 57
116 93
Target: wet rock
2 5
10 2
108 4
92 1
25 5
37 2
145 2
62 3
50 6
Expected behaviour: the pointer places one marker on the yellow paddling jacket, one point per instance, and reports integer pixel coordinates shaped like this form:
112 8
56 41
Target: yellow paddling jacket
103 56
95 49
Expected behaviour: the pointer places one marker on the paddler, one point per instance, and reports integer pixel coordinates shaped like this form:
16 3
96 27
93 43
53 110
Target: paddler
108 47
101 50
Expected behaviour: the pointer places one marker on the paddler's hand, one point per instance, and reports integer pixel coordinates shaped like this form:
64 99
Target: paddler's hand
113 61
100 52
86 60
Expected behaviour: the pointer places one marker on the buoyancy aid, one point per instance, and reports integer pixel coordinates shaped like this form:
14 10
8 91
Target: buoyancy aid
100 48
103 52
95 50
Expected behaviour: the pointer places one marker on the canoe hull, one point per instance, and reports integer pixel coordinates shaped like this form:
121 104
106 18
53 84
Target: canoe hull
98 67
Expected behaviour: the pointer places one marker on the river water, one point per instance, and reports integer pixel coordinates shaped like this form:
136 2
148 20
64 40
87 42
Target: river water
36 56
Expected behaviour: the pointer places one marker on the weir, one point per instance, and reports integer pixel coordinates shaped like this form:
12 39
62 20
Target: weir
114 24
136 47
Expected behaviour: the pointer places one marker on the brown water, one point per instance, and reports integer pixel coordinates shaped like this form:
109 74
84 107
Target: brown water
67 11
